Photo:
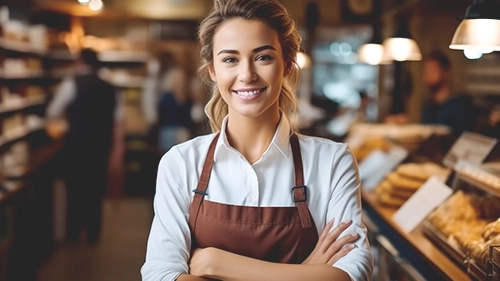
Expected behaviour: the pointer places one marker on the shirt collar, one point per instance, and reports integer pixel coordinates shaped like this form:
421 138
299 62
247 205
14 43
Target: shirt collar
281 139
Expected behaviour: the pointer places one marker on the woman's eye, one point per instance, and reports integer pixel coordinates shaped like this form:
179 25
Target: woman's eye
229 60
264 58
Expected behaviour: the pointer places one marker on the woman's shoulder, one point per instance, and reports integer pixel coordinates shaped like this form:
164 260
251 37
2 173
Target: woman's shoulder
194 147
322 144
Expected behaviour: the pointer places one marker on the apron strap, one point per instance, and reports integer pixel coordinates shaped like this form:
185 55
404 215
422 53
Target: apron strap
200 191
299 190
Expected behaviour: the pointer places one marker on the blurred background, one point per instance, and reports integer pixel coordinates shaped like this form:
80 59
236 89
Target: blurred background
364 63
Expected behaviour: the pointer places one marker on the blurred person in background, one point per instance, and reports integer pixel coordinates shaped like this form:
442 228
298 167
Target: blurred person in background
220 195
91 108
443 107
175 123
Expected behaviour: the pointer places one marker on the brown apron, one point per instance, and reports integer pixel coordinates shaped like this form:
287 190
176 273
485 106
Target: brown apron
274 234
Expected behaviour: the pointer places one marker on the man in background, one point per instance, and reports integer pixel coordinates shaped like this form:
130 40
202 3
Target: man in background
91 110
442 107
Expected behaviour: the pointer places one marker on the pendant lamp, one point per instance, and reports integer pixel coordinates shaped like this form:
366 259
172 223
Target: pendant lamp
480 29
401 46
372 52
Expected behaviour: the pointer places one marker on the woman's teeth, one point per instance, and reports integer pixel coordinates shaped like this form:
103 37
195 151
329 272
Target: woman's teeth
248 93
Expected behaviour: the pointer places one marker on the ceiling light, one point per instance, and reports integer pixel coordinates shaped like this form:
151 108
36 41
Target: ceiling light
83 2
372 52
303 60
480 29
95 5
472 54
401 46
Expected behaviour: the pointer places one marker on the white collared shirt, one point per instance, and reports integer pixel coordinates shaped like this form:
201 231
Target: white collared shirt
330 173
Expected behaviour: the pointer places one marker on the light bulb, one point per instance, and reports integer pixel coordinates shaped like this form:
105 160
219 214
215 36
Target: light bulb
83 2
95 5
472 54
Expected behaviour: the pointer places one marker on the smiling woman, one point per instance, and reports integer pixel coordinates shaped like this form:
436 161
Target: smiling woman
255 200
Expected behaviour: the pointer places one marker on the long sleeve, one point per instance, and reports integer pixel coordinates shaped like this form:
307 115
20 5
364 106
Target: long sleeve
345 203
169 240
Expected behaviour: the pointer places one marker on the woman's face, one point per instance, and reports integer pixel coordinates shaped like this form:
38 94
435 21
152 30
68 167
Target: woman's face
248 67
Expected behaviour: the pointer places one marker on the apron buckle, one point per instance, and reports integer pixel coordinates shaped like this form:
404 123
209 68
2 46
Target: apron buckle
299 195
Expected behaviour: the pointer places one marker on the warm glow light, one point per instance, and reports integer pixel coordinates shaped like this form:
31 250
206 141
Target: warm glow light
371 53
472 54
303 60
402 49
83 1
95 5
480 34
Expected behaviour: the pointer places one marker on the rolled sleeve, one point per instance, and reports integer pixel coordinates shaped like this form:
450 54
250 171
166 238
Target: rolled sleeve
345 204
169 239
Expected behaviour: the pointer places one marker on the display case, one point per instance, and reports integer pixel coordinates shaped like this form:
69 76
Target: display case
467 224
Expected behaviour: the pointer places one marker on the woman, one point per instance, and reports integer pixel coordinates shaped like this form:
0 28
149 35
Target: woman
248 202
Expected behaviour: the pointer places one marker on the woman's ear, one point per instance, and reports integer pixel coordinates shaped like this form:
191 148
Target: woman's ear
211 71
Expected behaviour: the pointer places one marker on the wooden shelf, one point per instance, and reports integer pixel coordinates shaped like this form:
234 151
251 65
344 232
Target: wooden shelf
29 75
19 135
21 47
23 105
417 240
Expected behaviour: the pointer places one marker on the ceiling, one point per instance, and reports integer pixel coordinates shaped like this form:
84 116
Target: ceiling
150 9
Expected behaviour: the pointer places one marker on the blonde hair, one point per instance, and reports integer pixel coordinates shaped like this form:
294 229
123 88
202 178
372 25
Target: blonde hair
276 16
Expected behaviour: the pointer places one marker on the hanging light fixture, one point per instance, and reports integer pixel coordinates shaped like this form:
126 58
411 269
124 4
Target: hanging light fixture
96 5
480 29
372 52
401 46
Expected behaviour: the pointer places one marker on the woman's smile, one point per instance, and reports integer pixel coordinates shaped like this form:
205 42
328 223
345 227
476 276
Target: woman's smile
249 94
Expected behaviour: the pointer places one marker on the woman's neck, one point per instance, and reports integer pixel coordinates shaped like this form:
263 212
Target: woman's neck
252 136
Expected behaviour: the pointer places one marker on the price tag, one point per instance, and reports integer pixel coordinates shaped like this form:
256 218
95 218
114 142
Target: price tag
470 147
430 195
378 164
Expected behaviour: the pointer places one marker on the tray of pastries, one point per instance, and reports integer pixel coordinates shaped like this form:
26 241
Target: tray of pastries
469 223
400 184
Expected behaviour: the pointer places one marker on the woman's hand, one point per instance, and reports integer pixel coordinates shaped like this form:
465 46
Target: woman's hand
329 248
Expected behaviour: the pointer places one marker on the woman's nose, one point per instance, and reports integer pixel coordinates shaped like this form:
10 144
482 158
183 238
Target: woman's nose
247 72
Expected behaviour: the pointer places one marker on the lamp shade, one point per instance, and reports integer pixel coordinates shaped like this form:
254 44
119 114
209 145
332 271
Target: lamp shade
479 34
480 29
402 47
372 52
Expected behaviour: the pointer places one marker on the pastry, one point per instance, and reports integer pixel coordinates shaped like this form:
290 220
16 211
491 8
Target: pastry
405 183
491 230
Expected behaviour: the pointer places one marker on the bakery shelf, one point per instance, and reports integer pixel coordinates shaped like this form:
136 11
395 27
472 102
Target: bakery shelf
124 56
60 55
478 184
422 249
20 135
21 106
19 76
21 47
13 187
441 241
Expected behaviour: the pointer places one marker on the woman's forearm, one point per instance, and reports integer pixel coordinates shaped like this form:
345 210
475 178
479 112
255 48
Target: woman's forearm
232 267
187 277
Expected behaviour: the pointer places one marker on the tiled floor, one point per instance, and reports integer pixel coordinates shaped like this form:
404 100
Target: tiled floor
119 253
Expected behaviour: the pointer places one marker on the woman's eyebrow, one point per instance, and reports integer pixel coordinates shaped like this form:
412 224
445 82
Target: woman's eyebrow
256 50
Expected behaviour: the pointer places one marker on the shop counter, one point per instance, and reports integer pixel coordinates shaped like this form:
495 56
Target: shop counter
420 252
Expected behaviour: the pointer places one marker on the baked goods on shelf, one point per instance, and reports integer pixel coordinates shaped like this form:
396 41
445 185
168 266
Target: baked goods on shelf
400 185
471 222
369 145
